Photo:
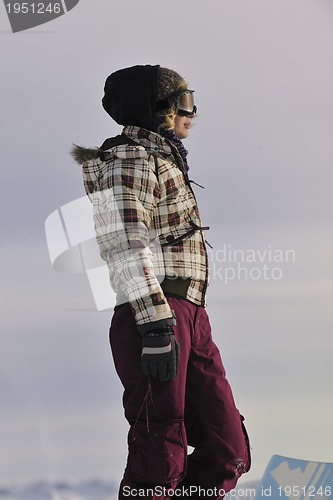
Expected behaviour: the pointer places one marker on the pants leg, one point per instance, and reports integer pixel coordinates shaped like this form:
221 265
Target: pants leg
214 426
156 411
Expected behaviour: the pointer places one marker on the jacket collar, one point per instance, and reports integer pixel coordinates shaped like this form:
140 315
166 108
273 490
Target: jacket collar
155 143
148 139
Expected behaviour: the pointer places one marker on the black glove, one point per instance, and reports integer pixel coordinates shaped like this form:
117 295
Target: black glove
160 350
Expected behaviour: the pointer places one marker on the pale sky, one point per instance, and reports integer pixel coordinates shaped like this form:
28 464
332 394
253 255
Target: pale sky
262 146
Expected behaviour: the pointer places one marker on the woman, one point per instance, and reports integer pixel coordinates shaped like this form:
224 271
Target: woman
150 234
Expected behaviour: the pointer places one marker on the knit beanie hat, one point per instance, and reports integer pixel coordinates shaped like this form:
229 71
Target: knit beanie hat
130 94
168 82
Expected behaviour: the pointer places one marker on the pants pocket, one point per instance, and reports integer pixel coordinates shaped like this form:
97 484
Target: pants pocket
157 455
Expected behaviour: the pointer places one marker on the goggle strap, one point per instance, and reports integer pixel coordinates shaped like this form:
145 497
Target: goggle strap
182 112
163 104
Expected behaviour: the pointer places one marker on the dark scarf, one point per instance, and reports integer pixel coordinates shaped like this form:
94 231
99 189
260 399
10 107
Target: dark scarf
171 136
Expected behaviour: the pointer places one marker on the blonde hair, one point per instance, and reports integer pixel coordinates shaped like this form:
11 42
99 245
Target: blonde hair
169 115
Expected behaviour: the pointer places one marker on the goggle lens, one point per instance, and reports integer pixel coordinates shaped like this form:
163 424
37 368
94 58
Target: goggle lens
182 101
185 104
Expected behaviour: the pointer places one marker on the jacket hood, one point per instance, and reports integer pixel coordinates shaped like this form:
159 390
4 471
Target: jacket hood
134 143
130 95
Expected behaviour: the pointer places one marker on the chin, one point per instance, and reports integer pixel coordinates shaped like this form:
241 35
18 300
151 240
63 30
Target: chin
183 134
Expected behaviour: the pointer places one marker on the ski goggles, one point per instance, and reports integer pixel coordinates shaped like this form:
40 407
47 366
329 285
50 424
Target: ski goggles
182 101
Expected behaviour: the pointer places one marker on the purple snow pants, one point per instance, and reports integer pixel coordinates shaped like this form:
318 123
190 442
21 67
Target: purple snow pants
196 409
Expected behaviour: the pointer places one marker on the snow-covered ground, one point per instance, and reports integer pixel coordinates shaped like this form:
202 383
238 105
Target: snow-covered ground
90 490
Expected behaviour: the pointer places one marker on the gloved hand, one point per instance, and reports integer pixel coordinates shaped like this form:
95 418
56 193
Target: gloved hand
160 350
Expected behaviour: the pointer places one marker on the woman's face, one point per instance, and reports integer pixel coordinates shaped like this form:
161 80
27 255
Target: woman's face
182 126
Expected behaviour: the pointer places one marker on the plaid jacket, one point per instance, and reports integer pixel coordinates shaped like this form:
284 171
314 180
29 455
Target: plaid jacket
147 222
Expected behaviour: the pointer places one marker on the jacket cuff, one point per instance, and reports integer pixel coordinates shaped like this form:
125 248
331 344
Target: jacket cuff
151 308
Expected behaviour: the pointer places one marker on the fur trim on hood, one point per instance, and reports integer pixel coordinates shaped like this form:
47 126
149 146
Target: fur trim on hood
82 155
